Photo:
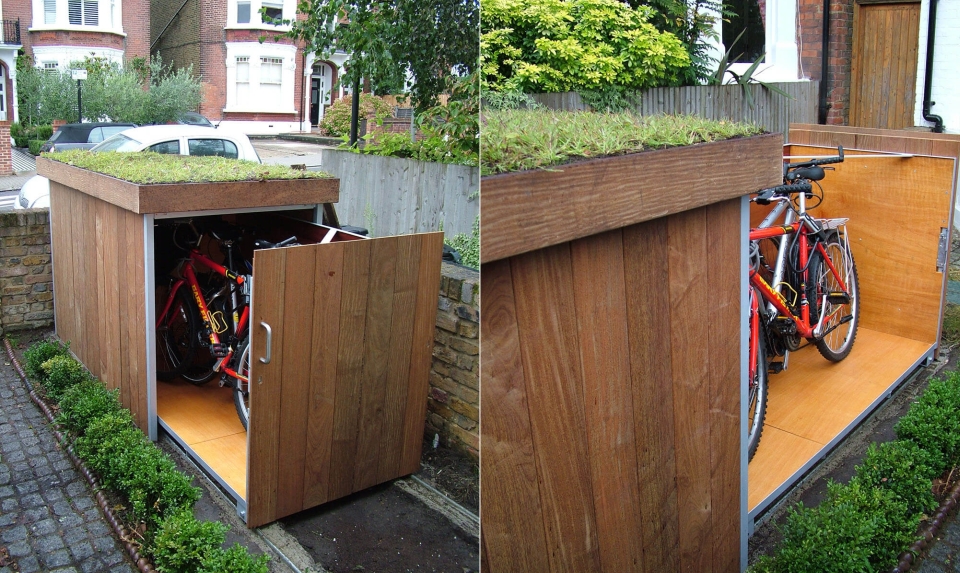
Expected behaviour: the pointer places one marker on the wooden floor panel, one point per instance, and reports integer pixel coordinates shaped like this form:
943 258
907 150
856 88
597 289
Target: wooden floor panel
814 400
205 419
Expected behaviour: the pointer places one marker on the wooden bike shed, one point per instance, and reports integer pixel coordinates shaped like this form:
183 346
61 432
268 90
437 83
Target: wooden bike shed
342 403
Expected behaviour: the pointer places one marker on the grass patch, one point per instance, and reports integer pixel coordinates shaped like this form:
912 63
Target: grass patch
148 167
516 140
951 324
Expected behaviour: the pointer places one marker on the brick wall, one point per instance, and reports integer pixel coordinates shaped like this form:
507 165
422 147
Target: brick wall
6 157
26 278
840 52
136 25
180 44
453 407
213 57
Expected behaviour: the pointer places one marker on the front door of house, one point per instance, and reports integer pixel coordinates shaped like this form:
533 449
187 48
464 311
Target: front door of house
320 83
884 70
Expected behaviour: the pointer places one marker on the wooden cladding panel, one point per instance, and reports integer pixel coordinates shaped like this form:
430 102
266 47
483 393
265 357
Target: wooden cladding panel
897 207
536 209
615 442
344 395
98 283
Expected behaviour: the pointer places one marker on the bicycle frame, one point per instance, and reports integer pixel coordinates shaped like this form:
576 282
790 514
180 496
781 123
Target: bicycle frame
190 278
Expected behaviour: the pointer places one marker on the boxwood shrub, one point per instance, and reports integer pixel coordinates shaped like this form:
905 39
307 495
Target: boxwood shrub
105 437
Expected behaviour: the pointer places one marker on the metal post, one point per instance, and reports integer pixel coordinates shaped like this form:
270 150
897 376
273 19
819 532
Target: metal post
355 111
79 104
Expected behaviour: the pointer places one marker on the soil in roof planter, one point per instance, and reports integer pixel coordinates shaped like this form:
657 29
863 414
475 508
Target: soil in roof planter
612 282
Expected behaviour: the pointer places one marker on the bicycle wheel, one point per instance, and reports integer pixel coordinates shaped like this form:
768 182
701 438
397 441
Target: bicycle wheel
241 389
175 334
840 309
757 395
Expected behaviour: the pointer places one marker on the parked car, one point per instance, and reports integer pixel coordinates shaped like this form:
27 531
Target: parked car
82 135
172 139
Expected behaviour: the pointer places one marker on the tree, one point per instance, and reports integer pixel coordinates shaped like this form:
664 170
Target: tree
387 39
109 92
692 21
576 45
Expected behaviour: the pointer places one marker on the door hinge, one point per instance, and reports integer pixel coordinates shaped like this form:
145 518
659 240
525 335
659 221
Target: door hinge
943 249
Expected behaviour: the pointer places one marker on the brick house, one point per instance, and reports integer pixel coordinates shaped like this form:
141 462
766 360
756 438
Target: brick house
9 46
268 87
876 56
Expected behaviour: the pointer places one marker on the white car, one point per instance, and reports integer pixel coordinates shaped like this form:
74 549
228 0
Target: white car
172 139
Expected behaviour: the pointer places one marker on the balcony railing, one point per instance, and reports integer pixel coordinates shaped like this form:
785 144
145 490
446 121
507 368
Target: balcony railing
10 32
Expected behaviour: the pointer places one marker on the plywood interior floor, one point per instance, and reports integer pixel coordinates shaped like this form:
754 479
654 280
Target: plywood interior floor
205 418
814 400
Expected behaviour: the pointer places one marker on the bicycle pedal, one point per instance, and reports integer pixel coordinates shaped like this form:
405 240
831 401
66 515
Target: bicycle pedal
775 367
838 298
219 350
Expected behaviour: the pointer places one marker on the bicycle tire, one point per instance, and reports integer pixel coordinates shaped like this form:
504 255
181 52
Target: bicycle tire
175 335
241 389
757 396
836 343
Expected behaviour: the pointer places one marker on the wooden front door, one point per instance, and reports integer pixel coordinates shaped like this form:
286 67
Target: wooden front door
341 404
884 71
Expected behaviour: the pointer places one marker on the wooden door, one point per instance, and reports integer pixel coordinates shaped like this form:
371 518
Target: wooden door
341 404
884 72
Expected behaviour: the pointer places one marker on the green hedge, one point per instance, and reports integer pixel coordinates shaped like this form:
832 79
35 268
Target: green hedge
865 524
159 495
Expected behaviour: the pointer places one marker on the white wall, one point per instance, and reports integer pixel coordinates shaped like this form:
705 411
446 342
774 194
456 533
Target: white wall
946 72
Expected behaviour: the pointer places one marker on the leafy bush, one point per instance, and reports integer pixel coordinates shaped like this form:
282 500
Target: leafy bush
82 404
183 544
468 245
22 135
62 372
904 468
234 560
336 118
41 351
856 528
560 45
34 146
933 422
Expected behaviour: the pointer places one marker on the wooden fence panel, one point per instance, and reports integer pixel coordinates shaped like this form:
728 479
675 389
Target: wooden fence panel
771 110
606 381
394 196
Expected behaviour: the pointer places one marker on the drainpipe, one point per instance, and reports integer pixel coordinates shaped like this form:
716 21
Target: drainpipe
928 73
824 65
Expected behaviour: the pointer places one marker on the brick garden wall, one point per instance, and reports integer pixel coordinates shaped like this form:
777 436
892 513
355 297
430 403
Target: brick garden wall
26 278
453 407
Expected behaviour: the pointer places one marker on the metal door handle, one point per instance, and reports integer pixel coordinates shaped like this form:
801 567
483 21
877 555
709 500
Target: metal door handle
266 359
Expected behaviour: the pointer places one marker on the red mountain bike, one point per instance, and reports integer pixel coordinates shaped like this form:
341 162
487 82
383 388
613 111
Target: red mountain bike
803 283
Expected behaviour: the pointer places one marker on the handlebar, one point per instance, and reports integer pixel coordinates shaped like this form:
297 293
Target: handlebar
764 195
812 162
262 244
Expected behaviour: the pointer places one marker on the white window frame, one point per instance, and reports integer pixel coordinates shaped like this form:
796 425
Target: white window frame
256 51
3 95
109 17
289 8
782 61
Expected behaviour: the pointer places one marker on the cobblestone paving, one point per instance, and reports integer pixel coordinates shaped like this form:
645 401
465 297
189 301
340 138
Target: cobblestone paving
49 520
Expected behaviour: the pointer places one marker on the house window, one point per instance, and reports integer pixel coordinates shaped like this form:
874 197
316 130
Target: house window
243 80
743 31
84 12
49 11
272 13
51 67
243 12
271 77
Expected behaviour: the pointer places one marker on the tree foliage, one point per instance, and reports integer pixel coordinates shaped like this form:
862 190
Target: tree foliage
692 21
141 93
574 45
386 39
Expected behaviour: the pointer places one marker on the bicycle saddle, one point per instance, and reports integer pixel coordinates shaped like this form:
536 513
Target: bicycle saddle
812 173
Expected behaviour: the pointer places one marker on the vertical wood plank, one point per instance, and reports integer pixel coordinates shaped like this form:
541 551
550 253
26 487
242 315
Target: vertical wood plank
92 286
421 351
398 370
543 285
512 522
376 356
328 280
353 309
263 434
600 296
724 270
77 222
137 382
689 301
648 310
61 201
295 355
110 307
127 335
